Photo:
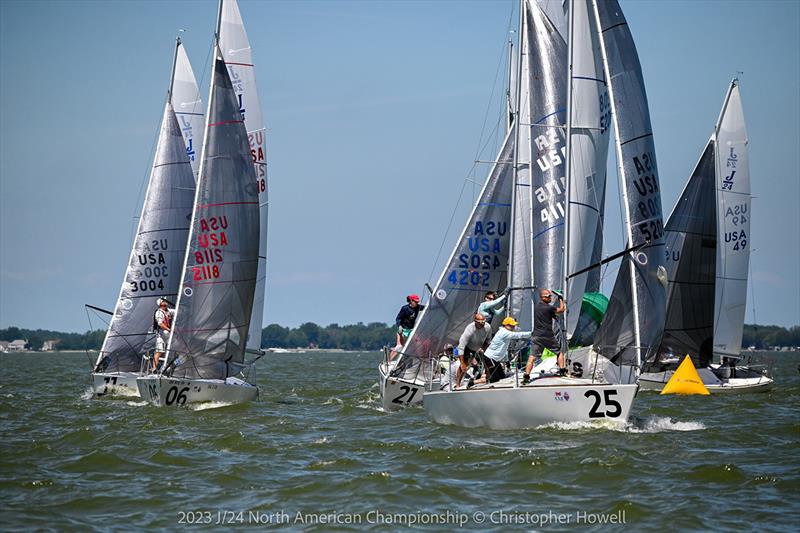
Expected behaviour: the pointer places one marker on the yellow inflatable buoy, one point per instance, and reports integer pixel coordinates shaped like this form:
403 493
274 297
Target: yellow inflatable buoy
685 380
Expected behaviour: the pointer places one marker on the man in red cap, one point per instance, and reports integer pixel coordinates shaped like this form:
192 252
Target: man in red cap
406 319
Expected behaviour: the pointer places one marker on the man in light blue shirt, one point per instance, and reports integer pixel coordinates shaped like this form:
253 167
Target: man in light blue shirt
498 348
491 306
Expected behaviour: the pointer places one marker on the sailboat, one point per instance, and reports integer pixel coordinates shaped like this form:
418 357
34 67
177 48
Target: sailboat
602 57
708 252
209 339
159 246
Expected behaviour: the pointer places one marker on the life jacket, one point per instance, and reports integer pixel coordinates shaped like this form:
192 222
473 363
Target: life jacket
156 327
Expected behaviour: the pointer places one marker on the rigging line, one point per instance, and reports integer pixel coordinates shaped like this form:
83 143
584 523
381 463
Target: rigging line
502 61
481 146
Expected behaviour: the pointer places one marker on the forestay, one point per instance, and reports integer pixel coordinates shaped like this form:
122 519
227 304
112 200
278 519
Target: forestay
219 277
478 264
154 267
236 52
188 107
691 252
589 126
733 222
634 321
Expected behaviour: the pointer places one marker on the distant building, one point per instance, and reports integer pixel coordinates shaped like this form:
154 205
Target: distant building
3 346
18 345
50 345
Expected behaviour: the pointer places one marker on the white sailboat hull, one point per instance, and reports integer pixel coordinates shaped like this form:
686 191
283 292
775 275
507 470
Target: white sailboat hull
398 393
115 384
750 381
548 400
162 391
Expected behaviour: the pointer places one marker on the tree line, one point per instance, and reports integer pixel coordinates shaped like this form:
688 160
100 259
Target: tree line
372 336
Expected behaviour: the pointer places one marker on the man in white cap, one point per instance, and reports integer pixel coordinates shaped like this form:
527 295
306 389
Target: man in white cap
162 324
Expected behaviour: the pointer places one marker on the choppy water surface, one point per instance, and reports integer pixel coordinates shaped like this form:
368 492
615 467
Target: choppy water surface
318 442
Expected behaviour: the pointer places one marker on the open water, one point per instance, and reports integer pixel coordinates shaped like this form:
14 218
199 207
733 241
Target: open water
317 443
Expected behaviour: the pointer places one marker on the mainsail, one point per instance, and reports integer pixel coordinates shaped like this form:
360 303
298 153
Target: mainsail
154 267
733 223
634 321
236 52
587 152
188 107
478 263
691 252
219 275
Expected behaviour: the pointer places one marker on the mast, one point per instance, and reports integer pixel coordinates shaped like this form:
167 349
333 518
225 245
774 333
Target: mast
172 72
567 185
509 95
515 163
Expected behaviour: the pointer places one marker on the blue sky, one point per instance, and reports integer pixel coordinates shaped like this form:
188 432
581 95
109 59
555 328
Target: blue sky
375 112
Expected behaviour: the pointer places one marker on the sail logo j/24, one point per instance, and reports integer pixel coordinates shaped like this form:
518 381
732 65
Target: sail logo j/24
186 128
727 182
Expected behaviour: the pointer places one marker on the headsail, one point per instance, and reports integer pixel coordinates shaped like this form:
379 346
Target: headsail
478 263
188 107
733 216
154 267
588 133
691 252
219 275
236 52
634 322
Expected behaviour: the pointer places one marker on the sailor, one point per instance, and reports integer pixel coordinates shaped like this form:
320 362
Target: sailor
405 321
491 306
162 324
543 335
498 348
473 341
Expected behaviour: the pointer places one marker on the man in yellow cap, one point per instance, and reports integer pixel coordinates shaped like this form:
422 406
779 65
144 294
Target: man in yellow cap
498 348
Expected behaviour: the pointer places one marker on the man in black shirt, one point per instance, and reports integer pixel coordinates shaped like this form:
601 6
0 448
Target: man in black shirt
543 335
405 321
